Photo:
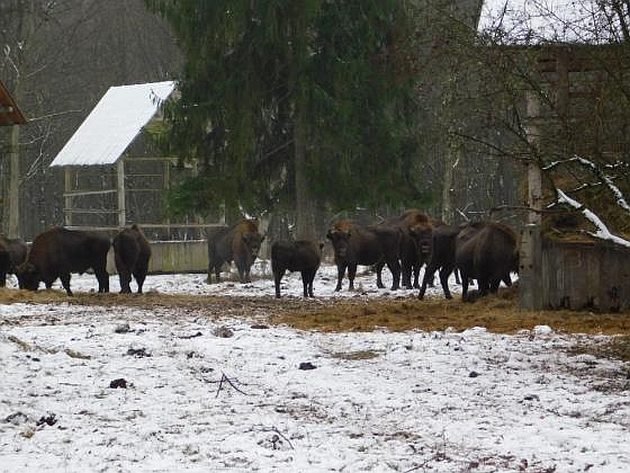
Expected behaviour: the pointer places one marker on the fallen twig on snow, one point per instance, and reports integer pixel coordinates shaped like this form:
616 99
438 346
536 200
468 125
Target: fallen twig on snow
224 378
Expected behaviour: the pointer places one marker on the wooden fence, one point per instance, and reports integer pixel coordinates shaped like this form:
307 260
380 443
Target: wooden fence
585 275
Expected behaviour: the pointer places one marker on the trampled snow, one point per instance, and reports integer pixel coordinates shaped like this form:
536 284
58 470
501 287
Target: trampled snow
231 395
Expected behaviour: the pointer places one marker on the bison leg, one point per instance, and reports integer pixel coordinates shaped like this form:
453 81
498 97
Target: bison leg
465 279
307 281
65 282
125 279
428 276
379 275
416 276
277 277
341 270
407 269
394 268
352 272
3 279
102 276
445 272
310 276
140 277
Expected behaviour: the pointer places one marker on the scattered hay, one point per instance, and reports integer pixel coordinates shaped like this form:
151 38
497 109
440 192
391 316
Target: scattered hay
498 313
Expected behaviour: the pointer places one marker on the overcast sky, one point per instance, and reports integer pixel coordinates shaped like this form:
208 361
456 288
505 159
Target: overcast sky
533 21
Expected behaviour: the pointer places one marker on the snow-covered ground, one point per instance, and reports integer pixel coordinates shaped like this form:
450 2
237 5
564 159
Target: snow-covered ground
233 395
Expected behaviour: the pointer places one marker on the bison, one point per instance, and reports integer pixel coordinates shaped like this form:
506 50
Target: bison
487 252
371 245
57 252
12 254
301 255
442 258
239 243
131 255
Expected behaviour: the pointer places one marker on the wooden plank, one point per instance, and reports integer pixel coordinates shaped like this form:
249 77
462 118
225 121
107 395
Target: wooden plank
89 211
84 193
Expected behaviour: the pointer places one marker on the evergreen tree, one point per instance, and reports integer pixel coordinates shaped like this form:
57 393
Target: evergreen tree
284 103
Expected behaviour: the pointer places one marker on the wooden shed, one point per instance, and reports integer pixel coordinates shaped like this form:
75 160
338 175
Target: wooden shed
114 177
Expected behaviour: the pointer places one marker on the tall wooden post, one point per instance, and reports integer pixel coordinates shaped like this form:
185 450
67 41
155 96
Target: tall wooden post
13 229
67 198
530 251
120 188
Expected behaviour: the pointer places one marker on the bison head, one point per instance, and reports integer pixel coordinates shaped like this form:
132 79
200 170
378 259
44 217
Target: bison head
28 276
252 242
340 240
422 235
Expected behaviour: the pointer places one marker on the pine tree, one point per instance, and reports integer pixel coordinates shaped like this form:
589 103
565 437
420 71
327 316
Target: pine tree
286 103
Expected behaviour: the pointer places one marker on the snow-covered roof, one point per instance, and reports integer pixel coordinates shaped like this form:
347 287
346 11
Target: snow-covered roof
536 21
113 124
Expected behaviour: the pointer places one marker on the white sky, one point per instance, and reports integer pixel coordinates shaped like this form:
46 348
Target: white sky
533 21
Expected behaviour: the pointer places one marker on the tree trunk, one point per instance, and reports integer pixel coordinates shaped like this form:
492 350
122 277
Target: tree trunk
304 206
13 217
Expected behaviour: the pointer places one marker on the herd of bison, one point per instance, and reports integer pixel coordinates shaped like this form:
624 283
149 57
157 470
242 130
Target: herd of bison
484 251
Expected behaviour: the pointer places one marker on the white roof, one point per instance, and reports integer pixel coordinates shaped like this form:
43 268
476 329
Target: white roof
113 124
536 21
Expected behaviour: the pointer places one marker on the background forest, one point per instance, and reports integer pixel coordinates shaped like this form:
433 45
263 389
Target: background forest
425 112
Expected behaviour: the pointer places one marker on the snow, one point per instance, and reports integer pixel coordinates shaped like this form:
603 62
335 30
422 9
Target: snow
379 401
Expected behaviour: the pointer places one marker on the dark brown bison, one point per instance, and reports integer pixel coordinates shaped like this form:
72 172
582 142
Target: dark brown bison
57 252
358 245
487 252
442 258
301 255
12 254
5 263
239 243
131 255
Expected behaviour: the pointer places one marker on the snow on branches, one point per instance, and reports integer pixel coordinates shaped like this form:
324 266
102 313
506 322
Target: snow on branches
602 230
597 171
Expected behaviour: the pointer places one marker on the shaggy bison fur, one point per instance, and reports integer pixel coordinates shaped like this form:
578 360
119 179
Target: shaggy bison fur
354 245
131 255
239 243
57 252
302 255
487 252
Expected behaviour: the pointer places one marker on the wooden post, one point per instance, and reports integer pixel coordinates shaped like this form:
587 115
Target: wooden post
120 188
68 201
530 251
13 229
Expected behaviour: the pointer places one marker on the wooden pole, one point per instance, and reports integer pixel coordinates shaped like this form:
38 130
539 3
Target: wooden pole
68 200
13 229
530 251
120 185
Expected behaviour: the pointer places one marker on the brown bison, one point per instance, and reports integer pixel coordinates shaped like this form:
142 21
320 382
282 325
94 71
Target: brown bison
57 252
442 258
12 254
419 228
371 245
487 252
239 243
302 255
131 255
